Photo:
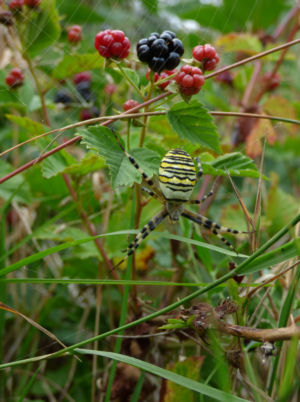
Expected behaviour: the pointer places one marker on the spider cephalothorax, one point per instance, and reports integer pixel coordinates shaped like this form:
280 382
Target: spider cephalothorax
177 178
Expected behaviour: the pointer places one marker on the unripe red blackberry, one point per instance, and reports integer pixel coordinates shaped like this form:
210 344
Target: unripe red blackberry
15 78
225 78
32 3
190 80
16 6
160 52
112 43
87 114
74 33
207 55
271 81
161 76
131 103
110 89
84 76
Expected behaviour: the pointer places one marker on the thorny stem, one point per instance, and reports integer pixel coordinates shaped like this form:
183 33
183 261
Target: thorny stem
38 87
126 76
281 28
278 63
150 101
255 57
137 115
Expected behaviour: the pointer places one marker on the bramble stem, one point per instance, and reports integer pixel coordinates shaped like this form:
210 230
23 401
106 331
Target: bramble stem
255 57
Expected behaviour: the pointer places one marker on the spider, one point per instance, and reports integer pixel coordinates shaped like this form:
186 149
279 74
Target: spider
177 178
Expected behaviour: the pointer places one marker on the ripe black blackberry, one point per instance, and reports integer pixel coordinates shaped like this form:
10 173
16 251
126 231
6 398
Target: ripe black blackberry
84 88
62 97
160 52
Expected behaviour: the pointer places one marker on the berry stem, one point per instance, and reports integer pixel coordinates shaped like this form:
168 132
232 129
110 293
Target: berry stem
163 80
255 57
126 76
39 89
128 134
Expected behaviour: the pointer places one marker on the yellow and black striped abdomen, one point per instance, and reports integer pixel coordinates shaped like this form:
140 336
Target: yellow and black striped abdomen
177 175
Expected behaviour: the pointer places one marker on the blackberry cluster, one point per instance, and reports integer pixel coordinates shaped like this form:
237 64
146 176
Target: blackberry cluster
160 52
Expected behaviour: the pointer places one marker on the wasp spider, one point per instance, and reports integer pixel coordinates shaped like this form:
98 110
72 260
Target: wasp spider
177 178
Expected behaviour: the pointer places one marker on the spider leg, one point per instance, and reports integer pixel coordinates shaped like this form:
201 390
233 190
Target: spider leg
143 174
151 193
204 197
145 231
200 170
214 227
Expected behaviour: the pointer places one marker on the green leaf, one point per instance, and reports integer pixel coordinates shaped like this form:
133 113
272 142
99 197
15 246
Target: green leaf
102 140
79 14
280 254
151 6
15 188
281 206
239 42
189 368
31 126
9 98
233 15
169 375
193 123
42 28
236 164
82 251
133 75
73 64
57 164
89 163
41 254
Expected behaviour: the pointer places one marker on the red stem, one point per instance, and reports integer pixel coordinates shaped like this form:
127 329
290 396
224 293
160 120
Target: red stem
255 57
149 102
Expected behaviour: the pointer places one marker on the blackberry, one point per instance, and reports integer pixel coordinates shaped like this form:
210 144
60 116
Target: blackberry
131 103
189 80
112 43
160 52
62 97
15 78
206 55
84 88
87 114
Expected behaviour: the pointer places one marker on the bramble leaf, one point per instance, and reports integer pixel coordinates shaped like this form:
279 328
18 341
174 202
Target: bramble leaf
103 141
193 122
43 28
73 64
236 164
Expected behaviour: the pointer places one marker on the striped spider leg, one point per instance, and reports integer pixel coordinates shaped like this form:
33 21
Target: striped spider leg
214 227
177 178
